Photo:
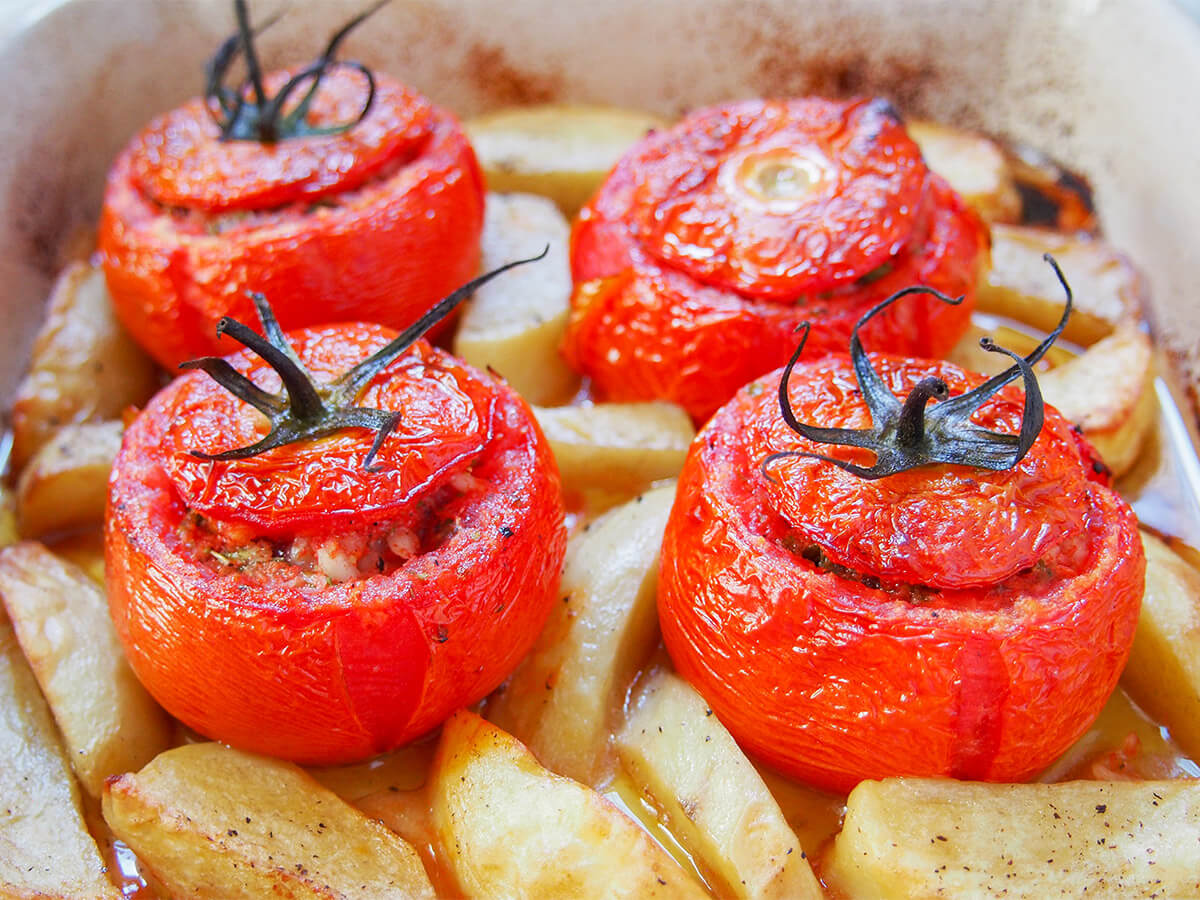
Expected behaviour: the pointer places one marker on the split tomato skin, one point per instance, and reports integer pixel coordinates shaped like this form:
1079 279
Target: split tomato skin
375 224
835 675
689 284
340 672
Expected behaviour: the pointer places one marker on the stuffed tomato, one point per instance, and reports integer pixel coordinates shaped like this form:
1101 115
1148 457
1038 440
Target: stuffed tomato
854 605
712 240
328 592
340 193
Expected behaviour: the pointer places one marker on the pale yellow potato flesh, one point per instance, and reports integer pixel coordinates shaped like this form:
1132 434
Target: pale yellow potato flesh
561 151
65 484
561 699
108 721
1108 391
208 821
974 165
515 323
84 367
616 446
1163 672
510 828
8 517
45 849
1108 290
714 801
402 769
909 838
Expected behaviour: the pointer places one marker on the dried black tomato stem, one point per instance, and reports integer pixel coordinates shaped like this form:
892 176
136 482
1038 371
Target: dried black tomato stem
247 113
910 434
304 409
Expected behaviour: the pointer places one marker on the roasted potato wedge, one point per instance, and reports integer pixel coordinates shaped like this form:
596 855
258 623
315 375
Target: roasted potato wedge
1108 391
974 165
562 697
45 849
209 821
8 517
715 803
108 721
617 446
65 484
84 367
1108 290
510 828
559 151
1163 672
514 324
912 837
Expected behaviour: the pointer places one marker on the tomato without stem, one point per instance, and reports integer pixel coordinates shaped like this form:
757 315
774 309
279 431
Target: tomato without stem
372 224
713 240
455 540
942 621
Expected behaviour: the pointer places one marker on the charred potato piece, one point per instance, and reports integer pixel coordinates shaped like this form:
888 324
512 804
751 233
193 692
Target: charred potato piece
515 324
84 368
974 165
108 721
560 698
559 151
510 828
209 821
912 837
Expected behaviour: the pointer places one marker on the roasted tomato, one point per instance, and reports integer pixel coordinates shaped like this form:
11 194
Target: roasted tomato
712 240
373 222
852 618
326 600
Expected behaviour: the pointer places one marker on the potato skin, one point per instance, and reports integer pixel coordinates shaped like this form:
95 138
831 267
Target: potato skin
336 674
834 680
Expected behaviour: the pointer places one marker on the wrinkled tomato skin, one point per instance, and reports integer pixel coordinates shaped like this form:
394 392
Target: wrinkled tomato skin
644 328
833 681
403 233
340 673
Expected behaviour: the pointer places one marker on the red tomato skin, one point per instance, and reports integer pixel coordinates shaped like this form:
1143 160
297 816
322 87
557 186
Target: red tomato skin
388 250
648 332
649 321
834 682
357 668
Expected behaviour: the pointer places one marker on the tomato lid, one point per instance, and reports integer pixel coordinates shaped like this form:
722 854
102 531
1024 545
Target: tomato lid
180 160
944 526
445 423
778 198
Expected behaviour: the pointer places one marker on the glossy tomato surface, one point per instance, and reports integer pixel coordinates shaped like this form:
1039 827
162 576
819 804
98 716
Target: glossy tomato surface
943 621
243 641
711 241
374 224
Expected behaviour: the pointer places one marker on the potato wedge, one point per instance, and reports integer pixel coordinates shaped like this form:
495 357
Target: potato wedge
715 803
1108 290
515 323
45 849
1108 391
209 821
108 721
1163 672
65 484
563 152
617 446
403 769
562 698
906 838
8 517
84 367
974 165
510 828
